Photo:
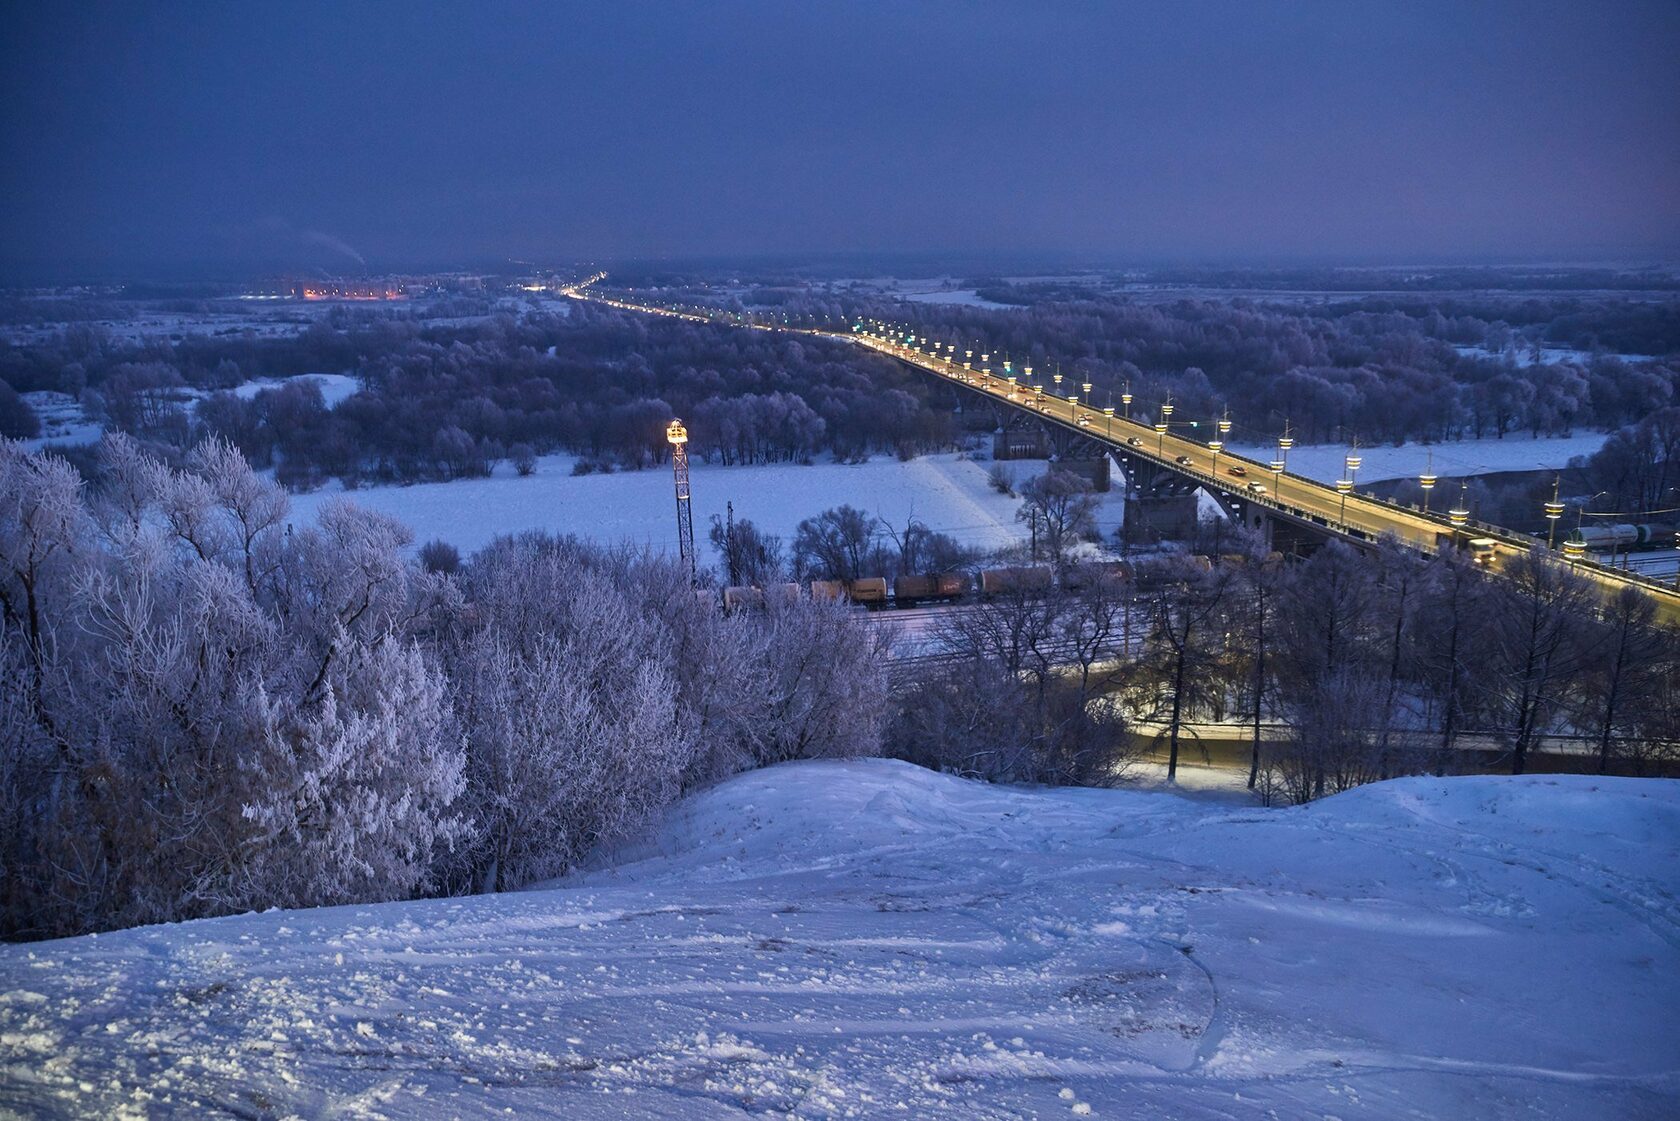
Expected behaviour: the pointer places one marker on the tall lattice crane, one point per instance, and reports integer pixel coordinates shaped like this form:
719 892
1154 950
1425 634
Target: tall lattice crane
678 436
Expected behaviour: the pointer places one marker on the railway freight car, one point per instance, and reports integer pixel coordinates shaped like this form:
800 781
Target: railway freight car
1019 579
945 586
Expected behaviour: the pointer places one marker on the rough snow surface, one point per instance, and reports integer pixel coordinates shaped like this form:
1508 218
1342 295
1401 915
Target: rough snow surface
947 493
831 940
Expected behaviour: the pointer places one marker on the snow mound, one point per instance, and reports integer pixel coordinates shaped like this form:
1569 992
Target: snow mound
1640 816
819 814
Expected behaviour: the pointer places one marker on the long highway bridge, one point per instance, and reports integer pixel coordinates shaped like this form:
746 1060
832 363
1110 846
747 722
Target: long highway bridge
1264 496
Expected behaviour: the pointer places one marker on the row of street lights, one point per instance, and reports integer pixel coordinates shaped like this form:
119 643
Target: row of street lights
1458 515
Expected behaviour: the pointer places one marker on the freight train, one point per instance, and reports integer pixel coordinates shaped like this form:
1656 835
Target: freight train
874 593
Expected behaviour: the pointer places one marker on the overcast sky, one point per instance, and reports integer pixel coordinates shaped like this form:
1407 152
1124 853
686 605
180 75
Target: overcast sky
161 137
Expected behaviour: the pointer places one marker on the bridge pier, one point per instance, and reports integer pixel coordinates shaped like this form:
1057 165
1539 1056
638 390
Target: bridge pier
1093 471
1018 436
1160 504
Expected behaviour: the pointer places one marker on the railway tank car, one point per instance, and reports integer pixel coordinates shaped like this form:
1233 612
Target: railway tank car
1626 536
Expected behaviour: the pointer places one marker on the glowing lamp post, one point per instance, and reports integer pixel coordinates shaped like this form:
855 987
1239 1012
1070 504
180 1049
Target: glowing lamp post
677 435
1108 419
1554 511
1459 515
1427 481
1126 400
1343 487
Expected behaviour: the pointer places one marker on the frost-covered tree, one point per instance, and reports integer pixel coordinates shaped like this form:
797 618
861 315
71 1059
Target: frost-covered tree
569 708
204 713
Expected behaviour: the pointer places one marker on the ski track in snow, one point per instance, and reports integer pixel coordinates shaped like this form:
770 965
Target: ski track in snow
866 939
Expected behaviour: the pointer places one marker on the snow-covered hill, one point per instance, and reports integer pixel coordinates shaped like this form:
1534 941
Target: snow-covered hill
871 940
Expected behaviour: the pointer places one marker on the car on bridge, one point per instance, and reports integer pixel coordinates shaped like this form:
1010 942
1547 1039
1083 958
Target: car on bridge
1257 488
1239 471
1182 461
1135 441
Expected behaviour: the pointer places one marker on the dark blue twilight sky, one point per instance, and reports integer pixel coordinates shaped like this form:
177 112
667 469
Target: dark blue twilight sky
160 137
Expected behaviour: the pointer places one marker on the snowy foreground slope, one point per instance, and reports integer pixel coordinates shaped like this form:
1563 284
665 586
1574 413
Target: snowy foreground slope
871 940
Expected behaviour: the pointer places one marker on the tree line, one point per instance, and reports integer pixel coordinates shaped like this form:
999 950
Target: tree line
441 399
1382 369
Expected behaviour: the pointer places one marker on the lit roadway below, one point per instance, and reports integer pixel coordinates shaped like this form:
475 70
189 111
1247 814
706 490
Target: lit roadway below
1292 497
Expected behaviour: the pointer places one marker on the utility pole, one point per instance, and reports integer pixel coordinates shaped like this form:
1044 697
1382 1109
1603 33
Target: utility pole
729 544
678 436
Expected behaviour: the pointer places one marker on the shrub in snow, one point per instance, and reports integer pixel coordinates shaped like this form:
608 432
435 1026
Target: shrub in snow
593 689
1022 696
568 704
440 556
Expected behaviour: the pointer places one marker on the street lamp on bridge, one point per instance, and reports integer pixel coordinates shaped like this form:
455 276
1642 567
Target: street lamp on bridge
1554 511
1427 481
1459 516
1218 442
1161 427
1126 400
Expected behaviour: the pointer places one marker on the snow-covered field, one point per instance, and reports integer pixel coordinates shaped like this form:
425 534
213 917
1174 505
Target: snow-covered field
1516 452
966 297
65 421
947 493
334 387
827 940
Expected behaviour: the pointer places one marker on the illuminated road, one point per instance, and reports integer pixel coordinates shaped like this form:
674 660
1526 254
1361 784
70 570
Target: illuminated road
1292 497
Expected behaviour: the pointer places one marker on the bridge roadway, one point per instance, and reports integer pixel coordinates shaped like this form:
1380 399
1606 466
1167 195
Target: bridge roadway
1291 497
